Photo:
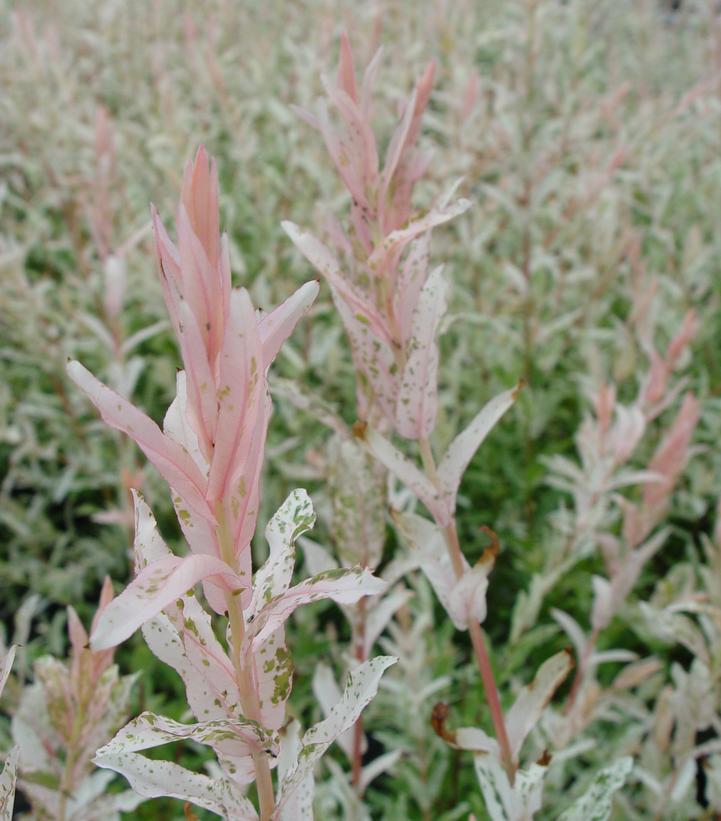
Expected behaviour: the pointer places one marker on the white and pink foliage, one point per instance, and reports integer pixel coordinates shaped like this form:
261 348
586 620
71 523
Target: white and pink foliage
210 452
390 302
63 717
182 637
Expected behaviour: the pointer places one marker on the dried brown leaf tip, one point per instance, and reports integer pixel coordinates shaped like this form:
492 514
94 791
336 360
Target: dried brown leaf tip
188 812
490 554
545 759
519 387
439 716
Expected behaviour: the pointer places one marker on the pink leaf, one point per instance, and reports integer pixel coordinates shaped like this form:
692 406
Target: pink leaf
154 588
173 463
346 71
417 403
327 265
274 328
238 388
387 254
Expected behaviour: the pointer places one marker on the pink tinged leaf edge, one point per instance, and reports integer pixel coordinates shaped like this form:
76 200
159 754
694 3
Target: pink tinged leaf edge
328 266
173 463
464 446
417 402
274 328
533 699
156 586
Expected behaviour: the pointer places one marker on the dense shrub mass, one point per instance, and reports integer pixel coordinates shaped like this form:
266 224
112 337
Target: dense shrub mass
487 433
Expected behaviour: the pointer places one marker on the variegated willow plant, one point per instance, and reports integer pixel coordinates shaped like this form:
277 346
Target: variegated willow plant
210 452
392 304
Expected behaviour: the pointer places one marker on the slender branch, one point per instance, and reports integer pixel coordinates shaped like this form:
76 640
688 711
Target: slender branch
359 642
244 675
450 534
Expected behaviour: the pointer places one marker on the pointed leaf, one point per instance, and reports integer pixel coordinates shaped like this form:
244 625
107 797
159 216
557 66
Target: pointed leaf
173 463
344 586
295 517
327 265
418 394
596 802
5 666
154 588
533 699
274 328
463 447
361 688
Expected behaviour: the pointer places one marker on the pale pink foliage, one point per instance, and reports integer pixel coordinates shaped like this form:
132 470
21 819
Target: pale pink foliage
210 452
211 449
390 304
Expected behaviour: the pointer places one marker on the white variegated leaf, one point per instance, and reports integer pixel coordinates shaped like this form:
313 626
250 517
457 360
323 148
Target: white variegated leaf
294 518
463 447
417 401
361 687
506 802
344 586
595 803
7 785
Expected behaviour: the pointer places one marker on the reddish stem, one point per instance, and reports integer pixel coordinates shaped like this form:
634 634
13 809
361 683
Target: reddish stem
482 660
359 642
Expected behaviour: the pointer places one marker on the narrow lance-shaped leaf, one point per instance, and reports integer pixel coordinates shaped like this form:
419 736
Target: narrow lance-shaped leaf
274 328
417 403
173 463
596 802
361 688
153 779
506 802
298 806
155 587
463 447
328 694
402 468
387 253
5 666
344 586
327 265
293 518
533 699
8 779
